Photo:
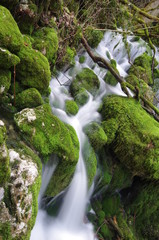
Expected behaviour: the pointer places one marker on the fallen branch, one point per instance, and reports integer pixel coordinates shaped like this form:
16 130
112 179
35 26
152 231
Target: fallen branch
143 13
104 64
124 85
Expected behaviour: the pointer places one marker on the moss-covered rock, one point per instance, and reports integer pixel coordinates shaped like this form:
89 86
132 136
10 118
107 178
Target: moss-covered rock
144 89
82 59
135 145
109 78
10 36
90 161
46 41
141 68
86 79
33 70
142 204
4 157
28 98
7 59
5 81
93 36
71 107
96 135
19 205
47 133
82 97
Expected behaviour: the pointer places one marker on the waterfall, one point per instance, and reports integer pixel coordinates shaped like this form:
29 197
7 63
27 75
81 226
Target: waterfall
70 223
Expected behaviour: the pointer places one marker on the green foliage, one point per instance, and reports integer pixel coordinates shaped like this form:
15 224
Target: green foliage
10 36
135 145
96 135
47 133
5 81
28 99
71 107
46 41
33 69
86 79
93 36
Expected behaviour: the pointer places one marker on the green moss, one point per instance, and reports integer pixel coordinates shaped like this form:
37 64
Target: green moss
111 205
141 68
90 162
5 231
7 59
110 127
28 98
4 157
46 41
10 36
47 133
82 97
135 144
109 78
18 88
33 70
5 81
93 36
68 57
86 79
96 135
71 107
82 59
56 6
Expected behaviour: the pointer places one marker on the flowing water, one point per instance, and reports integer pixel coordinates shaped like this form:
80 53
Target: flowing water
70 223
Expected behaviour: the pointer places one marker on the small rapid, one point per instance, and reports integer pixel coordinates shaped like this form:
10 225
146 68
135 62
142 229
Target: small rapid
71 222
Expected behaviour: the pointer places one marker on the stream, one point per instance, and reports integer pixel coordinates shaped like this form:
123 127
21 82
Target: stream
70 222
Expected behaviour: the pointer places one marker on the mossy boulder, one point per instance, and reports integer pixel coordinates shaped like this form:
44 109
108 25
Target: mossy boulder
93 36
33 70
19 207
86 79
46 41
71 107
135 144
4 157
141 68
96 135
29 98
7 59
81 97
10 36
144 89
109 78
5 81
47 133
142 202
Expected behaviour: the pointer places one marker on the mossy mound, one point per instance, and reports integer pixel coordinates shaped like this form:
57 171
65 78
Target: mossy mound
7 59
4 157
109 78
96 135
141 68
82 97
10 36
46 41
135 144
93 36
29 98
47 133
86 79
33 70
5 81
71 107
143 203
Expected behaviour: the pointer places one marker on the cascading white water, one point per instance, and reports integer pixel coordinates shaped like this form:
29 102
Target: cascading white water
69 224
